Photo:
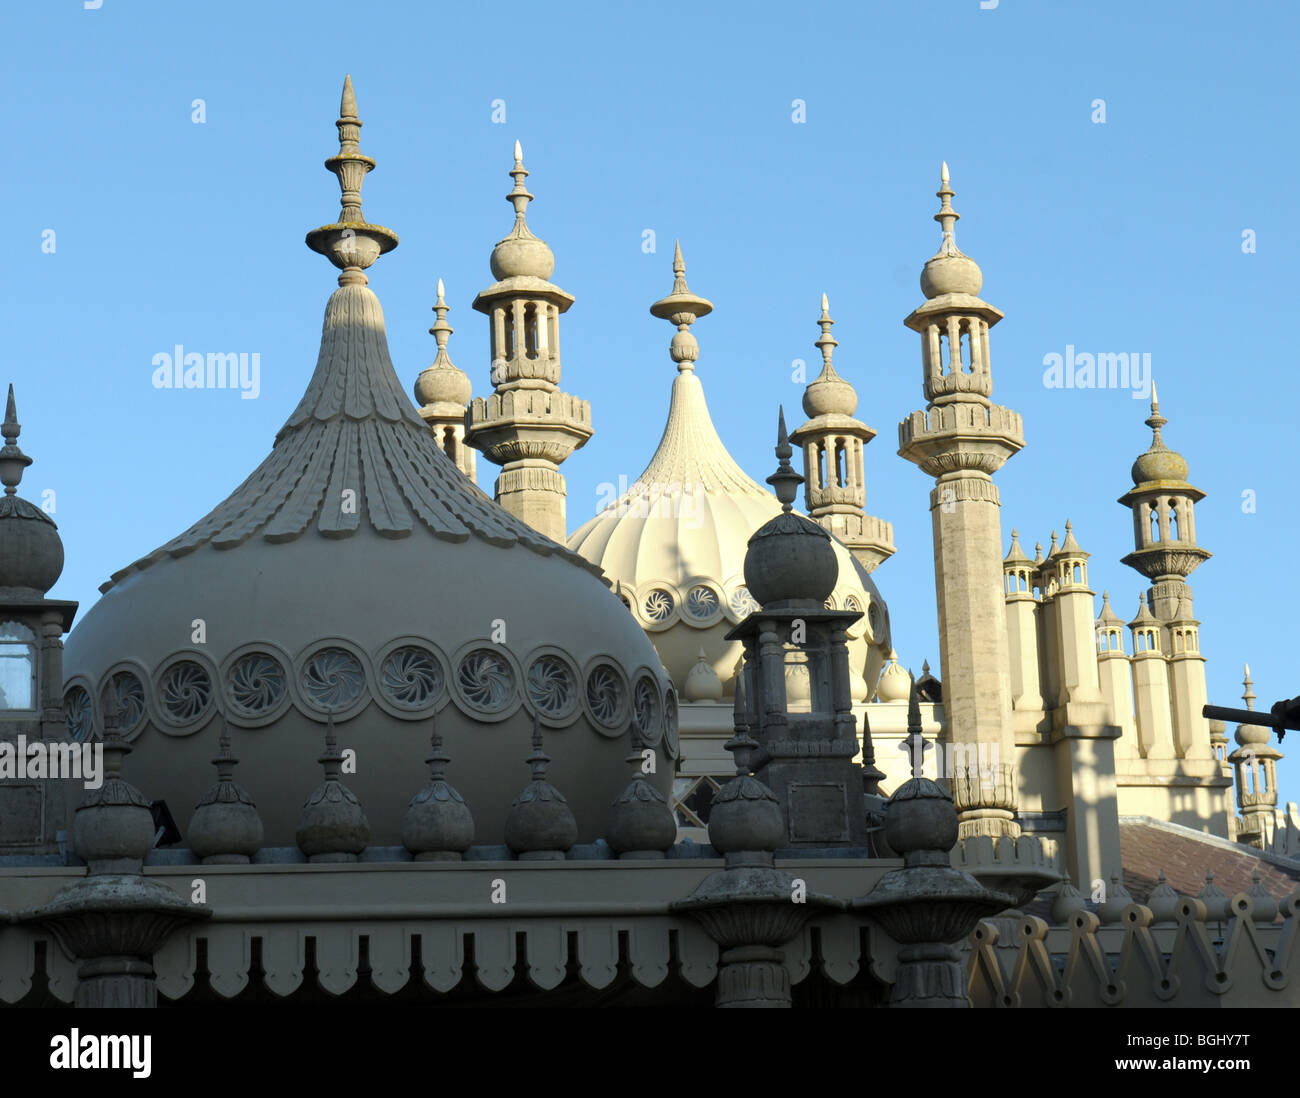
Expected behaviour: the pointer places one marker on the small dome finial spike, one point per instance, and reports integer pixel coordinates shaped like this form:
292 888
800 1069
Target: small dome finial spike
348 104
12 459
947 216
519 153
519 196
785 481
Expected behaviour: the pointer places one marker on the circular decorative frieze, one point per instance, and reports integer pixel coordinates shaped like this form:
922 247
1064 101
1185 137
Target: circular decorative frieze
742 602
332 679
411 677
256 685
485 682
79 713
671 744
606 698
702 603
553 689
128 690
829 604
184 694
646 710
851 603
658 606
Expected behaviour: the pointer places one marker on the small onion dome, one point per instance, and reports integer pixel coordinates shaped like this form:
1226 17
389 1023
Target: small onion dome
225 828
950 271
894 682
540 826
113 829
1214 899
920 818
1068 902
521 253
790 558
1117 899
332 826
828 393
640 824
1266 906
437 826
702 682
1159 462
443 382
745 815
1163 902
31 551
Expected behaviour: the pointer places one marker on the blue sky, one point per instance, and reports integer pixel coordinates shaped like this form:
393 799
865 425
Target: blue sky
1117 236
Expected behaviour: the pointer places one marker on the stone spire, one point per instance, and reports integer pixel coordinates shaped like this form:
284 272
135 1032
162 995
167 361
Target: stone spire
540 826
438 826
31 551
833 441
225 828
960 439
332 827
682 308
441 391
527 426
351 243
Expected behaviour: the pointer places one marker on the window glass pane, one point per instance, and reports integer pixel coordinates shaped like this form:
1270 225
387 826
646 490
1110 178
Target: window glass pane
15 675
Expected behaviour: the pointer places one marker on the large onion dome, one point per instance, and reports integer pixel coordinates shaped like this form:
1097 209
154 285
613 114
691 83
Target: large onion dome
357 576
676 541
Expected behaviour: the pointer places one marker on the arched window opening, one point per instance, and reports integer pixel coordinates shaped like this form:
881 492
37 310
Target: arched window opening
1155 525
509 334
530 330
821 465
449 442
17 666
1173 523
841 480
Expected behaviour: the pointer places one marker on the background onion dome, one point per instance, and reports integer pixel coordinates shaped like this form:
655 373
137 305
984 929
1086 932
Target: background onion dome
358 573
675 543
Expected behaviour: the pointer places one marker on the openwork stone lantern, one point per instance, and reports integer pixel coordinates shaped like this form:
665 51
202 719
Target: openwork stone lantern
805 758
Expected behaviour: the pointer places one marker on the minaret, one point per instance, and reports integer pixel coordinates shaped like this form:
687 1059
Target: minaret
1022 631
835 486
1116 677
441 393
527 426
1255 763
1076 633
1166 552
961 439
1151 686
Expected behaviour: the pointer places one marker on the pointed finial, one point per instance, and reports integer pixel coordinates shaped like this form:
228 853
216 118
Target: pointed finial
1038 552
682 308
1249 696
925 669
538 759
1156 420
519 196
12 460
914 743
785 481
1068 527
352 244
225 759
437 757
827 343
947 216
441 330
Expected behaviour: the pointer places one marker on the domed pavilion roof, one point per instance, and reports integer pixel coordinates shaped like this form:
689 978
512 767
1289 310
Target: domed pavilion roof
358 575
676 541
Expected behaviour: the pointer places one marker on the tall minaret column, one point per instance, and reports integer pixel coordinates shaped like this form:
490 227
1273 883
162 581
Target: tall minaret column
527 426
1116 677
1022 634
961 439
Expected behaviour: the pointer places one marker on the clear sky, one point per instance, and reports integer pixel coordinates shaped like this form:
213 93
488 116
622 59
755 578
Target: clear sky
1117 236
